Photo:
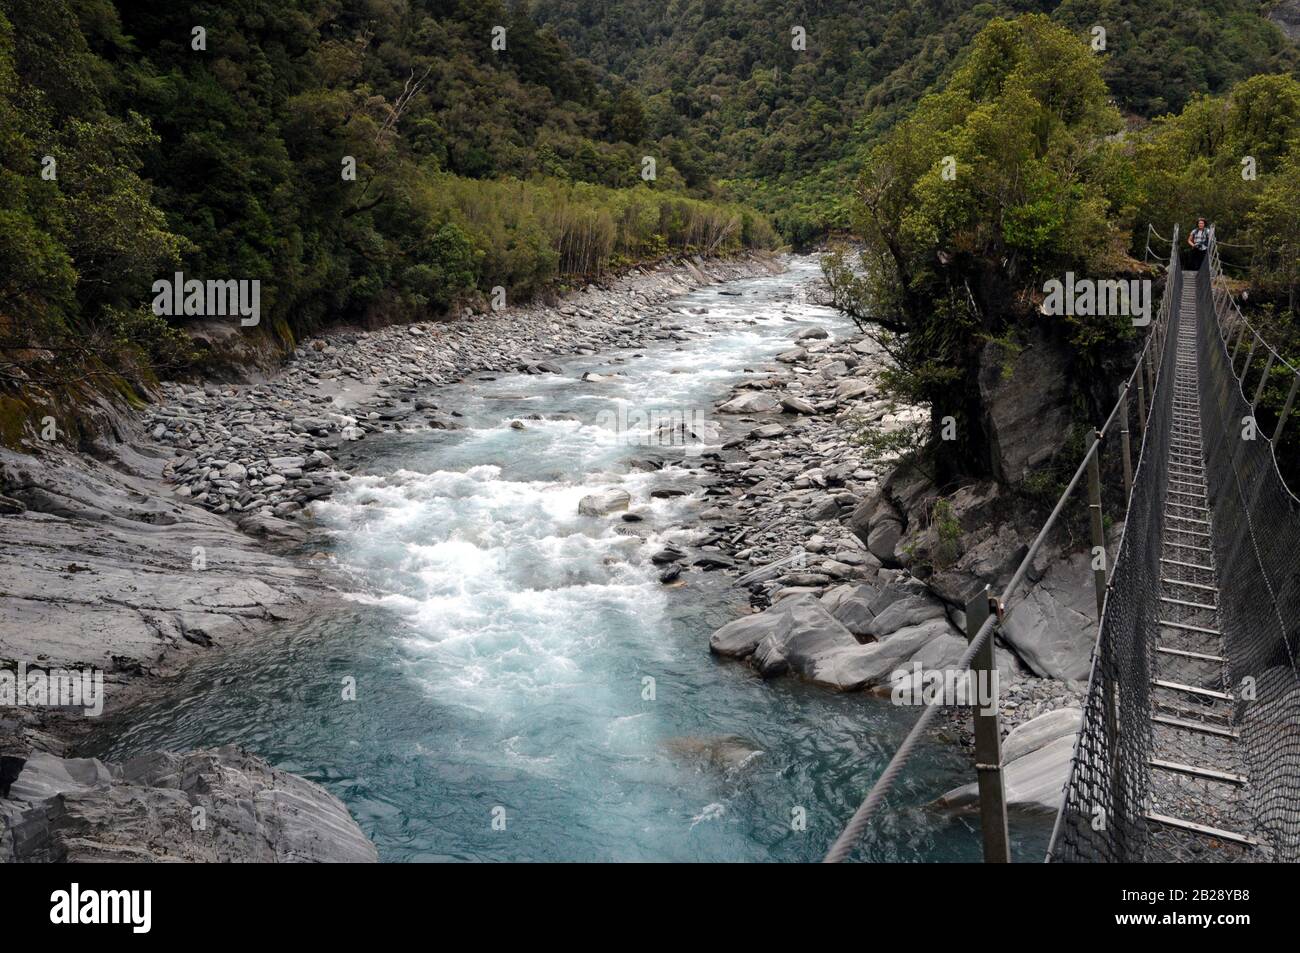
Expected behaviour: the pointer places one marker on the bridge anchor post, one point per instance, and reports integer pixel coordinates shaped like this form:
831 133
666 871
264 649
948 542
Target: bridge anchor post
1126 442
1286 410
988 736
1098 527
1142 403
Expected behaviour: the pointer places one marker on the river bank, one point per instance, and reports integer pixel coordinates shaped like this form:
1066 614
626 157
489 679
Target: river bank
108 564
777 472
792 504
139 561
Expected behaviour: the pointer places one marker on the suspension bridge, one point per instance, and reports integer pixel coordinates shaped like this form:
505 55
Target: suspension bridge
1189 746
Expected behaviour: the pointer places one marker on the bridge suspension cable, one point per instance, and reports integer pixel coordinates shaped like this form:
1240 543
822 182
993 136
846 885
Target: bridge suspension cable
1190 737
1141 380
1190 742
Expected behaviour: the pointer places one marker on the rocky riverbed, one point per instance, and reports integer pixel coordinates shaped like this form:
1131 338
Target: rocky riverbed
188 533
793 503
264 452
179 536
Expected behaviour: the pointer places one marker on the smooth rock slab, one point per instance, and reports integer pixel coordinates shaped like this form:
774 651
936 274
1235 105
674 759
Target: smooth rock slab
883 538
604 503
853 387
750 403
80 810
861 666
811 633
739 638
907 611
823 509
1037 758
1054 627
851 606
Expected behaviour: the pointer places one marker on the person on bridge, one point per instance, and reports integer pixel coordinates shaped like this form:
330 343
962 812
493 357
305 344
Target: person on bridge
1199 239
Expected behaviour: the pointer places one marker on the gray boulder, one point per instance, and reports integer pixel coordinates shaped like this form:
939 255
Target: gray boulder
752 402
82 810
941 652
852 606
1040 732
890 594
853 387
908 611
1036 758
739 638
859 521
604 503
724 754
886 531
862 666
811 632
809 334
823 509
1054 627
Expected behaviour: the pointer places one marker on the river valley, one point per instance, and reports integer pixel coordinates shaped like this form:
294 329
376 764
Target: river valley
509 679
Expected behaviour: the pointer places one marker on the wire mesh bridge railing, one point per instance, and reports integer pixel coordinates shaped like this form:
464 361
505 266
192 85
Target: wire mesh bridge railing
1190 740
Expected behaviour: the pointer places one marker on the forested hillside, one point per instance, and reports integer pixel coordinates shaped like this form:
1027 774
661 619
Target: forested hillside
787 126
373 162
1046 179
363 161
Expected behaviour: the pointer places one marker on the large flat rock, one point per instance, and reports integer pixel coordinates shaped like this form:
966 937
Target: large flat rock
1036 758
214 805
1054 627
863 666
105 570
809 634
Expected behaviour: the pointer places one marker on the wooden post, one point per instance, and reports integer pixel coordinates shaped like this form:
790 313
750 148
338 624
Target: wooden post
1286 411
1098 531
988 738
1125 443
1263 379
1142 404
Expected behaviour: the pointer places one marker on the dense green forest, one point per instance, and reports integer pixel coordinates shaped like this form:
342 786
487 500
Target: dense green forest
363 161
1047 178
788 128
375 161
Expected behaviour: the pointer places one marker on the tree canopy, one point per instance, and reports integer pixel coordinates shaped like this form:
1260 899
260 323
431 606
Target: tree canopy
362 161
